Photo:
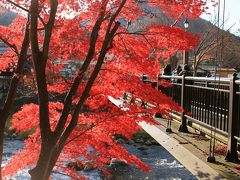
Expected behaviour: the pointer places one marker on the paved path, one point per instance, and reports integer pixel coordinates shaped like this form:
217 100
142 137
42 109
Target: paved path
196 166
191 149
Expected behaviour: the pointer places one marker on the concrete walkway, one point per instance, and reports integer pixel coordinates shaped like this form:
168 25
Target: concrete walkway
195 165
190 149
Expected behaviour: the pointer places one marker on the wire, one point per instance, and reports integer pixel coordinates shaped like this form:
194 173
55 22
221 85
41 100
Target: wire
218 65
217 59
217 71
220 61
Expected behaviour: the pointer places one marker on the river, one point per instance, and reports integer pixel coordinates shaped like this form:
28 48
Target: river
163 165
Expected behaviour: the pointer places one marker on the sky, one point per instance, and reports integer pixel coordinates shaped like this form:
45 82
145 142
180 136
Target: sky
232 15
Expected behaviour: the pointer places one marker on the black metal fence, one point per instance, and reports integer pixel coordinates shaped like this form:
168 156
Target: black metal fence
211 103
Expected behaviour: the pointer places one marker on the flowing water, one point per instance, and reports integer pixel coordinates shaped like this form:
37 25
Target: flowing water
163 165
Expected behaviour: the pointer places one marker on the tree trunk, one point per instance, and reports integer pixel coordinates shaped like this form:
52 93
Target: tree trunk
5 112
46 162
195 71
195 66
3 120
44 166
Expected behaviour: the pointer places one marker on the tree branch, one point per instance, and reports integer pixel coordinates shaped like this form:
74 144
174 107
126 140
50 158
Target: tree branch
5 112
78 79
26 10
12 46
48 30
108 39
17 5
40 74
33 30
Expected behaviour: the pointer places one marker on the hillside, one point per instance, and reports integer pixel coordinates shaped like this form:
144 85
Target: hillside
209 33
230 43
7 17
230 46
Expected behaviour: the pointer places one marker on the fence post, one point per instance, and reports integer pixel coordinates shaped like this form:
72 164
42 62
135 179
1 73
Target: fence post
232 121
183 126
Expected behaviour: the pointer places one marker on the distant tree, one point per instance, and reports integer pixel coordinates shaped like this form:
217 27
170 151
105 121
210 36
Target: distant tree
230 51
99 33
216 46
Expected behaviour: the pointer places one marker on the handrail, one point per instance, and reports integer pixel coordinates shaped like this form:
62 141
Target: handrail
210 79
208 88
237 82
212 102
168 77
225 134
206 79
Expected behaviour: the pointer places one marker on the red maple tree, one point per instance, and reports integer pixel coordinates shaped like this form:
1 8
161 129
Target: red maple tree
105 38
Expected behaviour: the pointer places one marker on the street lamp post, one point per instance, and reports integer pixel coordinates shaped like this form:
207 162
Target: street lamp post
185 52
183 127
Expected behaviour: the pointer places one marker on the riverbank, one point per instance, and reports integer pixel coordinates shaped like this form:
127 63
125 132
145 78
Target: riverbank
163 164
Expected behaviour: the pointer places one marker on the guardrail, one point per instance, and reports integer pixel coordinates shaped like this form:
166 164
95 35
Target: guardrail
213 103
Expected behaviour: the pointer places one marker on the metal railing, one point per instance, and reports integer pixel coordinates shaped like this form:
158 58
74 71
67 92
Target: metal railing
209 102
213 103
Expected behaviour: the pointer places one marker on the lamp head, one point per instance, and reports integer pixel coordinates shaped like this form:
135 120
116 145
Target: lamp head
186 24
